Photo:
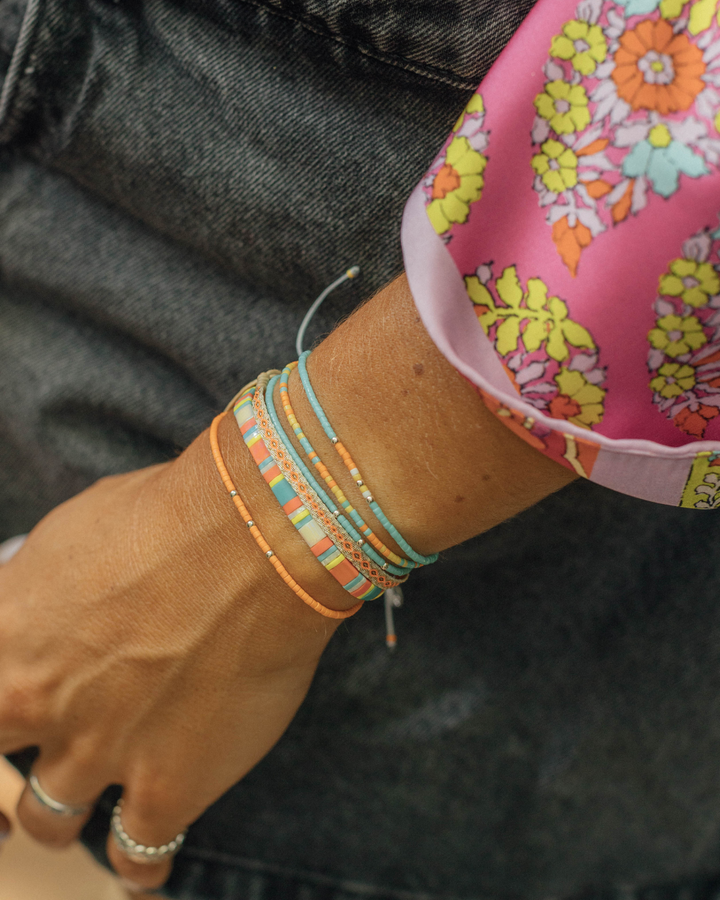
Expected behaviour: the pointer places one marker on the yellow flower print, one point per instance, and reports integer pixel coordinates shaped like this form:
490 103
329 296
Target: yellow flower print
694 281
701 16
556 165
529 314
578 401
458 184
673 379
581 43
565 106
671 9
476 105
675 335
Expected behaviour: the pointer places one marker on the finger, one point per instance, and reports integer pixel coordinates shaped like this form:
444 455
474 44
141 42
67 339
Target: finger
151 821
59 797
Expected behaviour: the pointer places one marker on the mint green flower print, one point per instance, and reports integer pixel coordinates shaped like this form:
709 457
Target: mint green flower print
662 159
638 7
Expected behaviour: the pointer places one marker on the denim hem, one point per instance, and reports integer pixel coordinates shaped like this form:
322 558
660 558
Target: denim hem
398 62
315 879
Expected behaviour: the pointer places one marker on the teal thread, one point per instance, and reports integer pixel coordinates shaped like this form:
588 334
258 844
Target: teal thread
368 549
374 505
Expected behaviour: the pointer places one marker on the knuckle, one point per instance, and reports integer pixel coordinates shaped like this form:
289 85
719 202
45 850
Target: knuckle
155 799
23 704
88 750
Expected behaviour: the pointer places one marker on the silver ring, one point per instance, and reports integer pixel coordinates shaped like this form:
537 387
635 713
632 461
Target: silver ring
137 852
55 806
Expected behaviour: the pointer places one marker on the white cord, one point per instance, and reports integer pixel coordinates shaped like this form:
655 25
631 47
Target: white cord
393 598
351 273
9 548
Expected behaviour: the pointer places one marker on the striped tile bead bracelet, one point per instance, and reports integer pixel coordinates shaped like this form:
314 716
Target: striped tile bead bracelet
320 544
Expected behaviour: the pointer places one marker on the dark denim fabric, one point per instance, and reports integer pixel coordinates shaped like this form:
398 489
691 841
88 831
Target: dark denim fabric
178 180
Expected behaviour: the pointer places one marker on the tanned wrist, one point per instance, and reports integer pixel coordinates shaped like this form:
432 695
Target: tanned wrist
440 464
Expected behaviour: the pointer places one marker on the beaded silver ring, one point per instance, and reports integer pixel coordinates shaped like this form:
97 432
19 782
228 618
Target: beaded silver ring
134 850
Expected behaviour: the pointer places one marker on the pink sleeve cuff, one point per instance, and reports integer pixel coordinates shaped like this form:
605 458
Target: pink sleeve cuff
563 249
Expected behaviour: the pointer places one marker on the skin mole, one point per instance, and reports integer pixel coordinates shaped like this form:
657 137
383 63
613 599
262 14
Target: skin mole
418 368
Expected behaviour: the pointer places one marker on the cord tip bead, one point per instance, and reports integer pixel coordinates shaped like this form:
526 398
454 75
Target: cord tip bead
353 272
391 641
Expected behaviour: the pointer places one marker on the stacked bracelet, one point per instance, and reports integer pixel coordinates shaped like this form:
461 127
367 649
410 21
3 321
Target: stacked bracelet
350 510
316 506
332 528
349 463
320 544
401 572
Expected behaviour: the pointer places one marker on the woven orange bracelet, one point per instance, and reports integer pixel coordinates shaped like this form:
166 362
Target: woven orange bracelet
260 540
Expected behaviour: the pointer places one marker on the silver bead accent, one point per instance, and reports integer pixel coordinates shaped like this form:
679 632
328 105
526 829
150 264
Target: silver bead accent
250 524
269 554
369 498
360 542
336 513
334 440
385 565
233 493
359 483
141 853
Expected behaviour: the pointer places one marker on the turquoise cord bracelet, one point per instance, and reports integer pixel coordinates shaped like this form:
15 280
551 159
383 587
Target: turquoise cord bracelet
385 557
347 459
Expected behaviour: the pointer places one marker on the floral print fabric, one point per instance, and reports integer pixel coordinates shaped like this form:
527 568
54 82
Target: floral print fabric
572 216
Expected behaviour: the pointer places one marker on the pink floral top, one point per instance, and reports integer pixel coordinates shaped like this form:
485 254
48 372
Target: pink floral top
564 248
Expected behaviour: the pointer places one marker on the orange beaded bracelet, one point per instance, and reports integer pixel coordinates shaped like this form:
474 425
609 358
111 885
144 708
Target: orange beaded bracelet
260 540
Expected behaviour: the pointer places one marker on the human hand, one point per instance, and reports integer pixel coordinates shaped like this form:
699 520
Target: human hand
144 641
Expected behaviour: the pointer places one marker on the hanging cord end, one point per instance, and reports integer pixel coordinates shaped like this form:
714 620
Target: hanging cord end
393 600
347 275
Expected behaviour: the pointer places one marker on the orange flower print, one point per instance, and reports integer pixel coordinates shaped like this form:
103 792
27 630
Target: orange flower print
657 69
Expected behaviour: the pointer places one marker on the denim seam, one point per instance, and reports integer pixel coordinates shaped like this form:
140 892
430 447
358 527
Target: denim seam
341 884
17 63
389 59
